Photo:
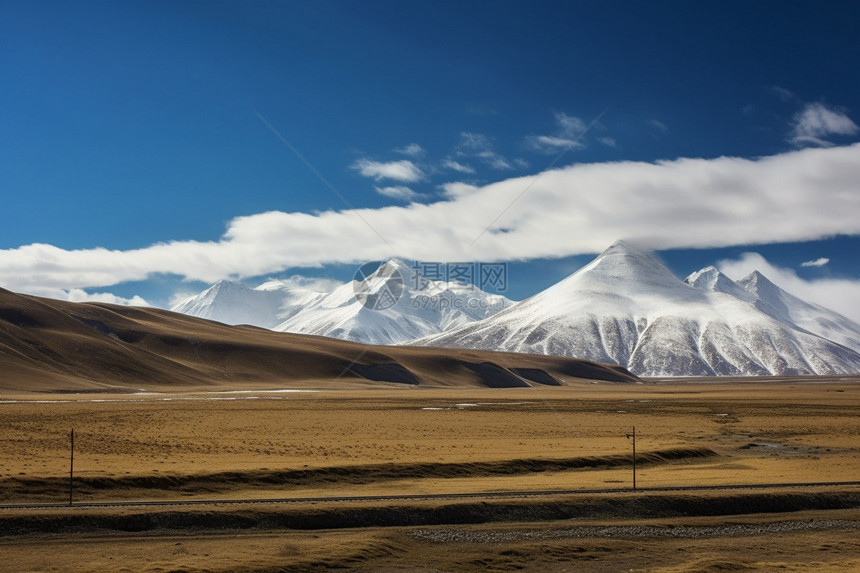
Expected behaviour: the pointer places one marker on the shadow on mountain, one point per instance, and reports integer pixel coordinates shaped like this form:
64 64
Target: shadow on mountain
385 373
588 371
494 376
57 346
536 375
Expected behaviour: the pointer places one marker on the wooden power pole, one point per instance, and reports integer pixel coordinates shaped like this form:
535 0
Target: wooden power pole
633 435
71 464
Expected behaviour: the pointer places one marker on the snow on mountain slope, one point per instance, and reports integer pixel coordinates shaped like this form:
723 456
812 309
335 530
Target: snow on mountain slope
423 307
234 303
627 308
712 279
782 305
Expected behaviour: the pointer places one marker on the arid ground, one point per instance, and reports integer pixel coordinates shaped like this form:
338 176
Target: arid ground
402 440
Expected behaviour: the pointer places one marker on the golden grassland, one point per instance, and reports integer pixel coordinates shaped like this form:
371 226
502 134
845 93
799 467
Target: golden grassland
396 439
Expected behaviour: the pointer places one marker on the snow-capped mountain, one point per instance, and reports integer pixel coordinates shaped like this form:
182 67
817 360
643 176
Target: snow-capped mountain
712 279
416 307
627 308
781 305
234 303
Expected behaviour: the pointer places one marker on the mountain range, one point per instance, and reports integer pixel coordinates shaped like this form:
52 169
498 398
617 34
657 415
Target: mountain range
624 308
627 308
49 345
420 307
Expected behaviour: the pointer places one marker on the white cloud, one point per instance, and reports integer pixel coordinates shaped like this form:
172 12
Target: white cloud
316 284
457 166
399 192
80 295
180 297
551 143
570 126
494 160
480 146
608 141
473 142
840 295
658 125
412 150
403 170
816 263
784 94
570 131
816 121
580 209
459 189
521 163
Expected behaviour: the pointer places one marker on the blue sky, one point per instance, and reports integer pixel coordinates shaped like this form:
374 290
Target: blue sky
150 148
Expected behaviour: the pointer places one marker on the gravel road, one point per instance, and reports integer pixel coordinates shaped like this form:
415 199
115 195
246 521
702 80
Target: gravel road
448 535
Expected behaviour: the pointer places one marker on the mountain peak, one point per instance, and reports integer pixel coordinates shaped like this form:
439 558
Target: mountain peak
225 284
759 285
768 297
625 307
784 306
708 273
396 263
626 262
633 253
711 279
625 247
756 277
220 290
385 269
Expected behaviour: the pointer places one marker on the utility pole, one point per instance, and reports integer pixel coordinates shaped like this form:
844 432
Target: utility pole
71 464
634 455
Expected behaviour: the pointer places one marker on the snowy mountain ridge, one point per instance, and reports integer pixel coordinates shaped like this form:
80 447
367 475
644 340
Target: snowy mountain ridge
355 311
234 303
420 307
625 307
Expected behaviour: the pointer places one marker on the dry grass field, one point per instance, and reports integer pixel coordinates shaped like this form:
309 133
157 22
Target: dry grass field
166 407
398 439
